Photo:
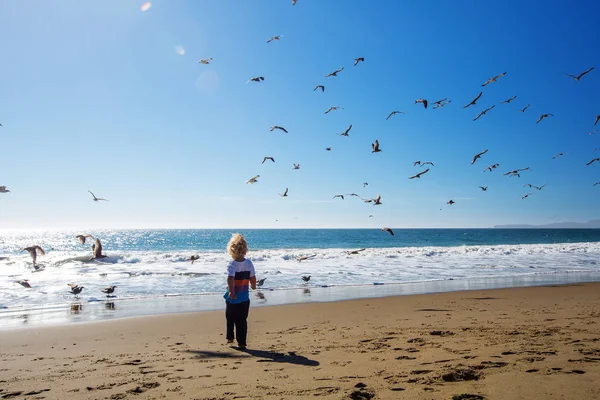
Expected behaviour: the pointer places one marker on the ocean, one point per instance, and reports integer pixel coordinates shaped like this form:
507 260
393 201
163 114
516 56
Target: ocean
150 265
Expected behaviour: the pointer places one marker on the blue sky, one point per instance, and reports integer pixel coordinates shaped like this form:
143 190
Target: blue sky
98 96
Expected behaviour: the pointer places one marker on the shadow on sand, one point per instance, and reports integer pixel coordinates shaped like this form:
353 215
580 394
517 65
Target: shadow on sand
262 355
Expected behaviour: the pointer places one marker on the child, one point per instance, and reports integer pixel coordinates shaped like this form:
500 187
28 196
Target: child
240 273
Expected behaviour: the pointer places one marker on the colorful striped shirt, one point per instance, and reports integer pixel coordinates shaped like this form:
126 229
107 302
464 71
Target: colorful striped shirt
241 271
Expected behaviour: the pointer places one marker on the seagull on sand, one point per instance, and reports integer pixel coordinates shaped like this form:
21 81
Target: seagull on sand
319 86
34 251
193 258
525 108
483 188
274 38
334 108
388 230
494 79
24 283
558 155
97 198
450 202
334 73
507 101
357 60
491 167
421 101
345 133
394 113
474 101
578 77
75 289
3 189
593 161
339 195
483 112
260 282
544 116
281 128
284 194
97 249
375 147
205 61
296 166
82 238
267 158
419 174
526 196
254 179
109 290
256 79
478 156
306 278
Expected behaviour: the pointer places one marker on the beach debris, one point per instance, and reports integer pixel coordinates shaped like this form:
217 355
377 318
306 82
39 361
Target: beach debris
97 198
478 156
474 101
494 79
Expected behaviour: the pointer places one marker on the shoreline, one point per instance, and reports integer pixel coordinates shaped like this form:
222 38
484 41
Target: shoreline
104 309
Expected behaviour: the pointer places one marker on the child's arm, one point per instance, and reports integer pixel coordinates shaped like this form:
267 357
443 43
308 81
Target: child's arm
230 280
253 282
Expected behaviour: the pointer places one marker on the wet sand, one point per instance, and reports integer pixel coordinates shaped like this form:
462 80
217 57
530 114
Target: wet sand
520 343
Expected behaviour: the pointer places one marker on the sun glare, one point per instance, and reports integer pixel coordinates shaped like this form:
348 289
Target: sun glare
146 6
179 50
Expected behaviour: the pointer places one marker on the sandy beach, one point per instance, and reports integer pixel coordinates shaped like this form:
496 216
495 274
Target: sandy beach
521 343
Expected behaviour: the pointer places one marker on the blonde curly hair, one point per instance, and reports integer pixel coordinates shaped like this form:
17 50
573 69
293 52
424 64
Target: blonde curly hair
237 246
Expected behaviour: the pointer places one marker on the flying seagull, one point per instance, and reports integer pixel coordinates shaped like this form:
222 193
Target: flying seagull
558 155
294 2
284 194
597 119
319 86
388 230
193 258
450 202
421 101
254 179
205 61
394 113
267 158
97 198
302 258
377 200
3 189
109 290
494 79
82 238
334 108
539 187
339 195
483 112
478 156
257 79
281 128
427 163
483 188
334 73
345 133
260 282
97 249
359 59
416 163
327 148
24 283
34 251
419 174
525 108
544 116
526 196
296 166
597 183
365 184
474 101
507 101
274 38
441 103
594 160
491 167
578 77
375 147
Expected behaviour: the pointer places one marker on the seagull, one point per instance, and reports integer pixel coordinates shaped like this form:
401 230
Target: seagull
591 162
345 133
375 147
539 187
474 101
82 238
370 215
365 184
359 59
281 128
339 195
267 158
257 79
597 119
351 252
450 202
516 171
483 112
419 174
260 282
284 194
334 73
491 167
388 230
327 148
302 258
193 258
34 251
97 198
508 100
441 103
334 108
205 61
528 185
494 79
296 166
377 200
274 38
3 189
592 132
319 86
558 155
416 163
478 156
394 113
253 179
24 283
597 183
306 278
526 196
421 101
526 107
428 162
544 116
294 2
578 77
97 249
109 290
76 289
483 188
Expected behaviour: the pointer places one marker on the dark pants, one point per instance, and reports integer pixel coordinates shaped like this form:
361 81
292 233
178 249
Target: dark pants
237 315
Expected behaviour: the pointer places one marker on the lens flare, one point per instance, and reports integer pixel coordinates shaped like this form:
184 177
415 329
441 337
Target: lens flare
146 6
179 50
